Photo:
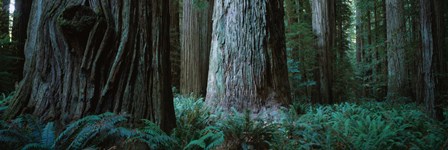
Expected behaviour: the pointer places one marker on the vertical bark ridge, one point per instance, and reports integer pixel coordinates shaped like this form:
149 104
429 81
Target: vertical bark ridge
248 58
120 64
397 78
196 39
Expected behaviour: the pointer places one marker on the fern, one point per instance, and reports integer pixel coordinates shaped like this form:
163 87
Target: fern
48 135
154 137
241 129
211 138
192 116
75 126
35 146
21 131
92 130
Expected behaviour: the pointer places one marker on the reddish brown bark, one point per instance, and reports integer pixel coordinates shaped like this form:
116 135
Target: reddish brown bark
196 39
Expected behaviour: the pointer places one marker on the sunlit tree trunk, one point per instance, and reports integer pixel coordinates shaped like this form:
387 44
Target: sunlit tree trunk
89 57
196 39
395 50
248 58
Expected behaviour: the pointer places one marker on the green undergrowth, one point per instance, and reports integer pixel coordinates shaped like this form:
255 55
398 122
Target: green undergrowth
366 126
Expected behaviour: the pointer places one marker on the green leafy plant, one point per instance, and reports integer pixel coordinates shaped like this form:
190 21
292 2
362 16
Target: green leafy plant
155 138
27 132
19 132
241 131
4 101
211 137
93 130
192 116
46 139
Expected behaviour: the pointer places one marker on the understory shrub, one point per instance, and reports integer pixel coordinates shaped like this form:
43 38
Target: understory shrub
365 125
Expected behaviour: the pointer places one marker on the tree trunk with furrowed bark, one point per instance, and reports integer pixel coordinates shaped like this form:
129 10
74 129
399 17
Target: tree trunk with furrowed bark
175 42
248 57
432 65
87 57
324 27
196 39
397 79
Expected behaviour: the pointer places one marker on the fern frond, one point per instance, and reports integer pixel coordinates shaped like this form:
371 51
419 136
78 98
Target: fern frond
85 135
8 139
211 138
158 142
154 137
200 143
73 128
151 128
3 124
48 135
35 146
216 140
13 135
121 132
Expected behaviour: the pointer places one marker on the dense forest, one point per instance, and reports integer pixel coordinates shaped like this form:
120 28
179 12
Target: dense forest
223 74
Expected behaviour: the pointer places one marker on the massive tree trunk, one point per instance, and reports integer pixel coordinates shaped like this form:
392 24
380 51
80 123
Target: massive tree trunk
248 58
324 28
432 83
196 39
88 57
396 85
175 42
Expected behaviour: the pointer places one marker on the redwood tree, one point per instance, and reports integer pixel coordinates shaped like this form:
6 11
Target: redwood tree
248 58
196 38
432 67
324 26
4 17
175 42
88 57
397 79
21 17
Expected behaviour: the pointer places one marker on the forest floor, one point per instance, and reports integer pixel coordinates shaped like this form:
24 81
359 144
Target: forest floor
349 125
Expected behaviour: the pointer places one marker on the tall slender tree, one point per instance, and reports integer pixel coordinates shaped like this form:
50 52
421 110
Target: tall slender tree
196 39
248 58
4 17
88 57
175 42
432 47
397 78
324 25
19 35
